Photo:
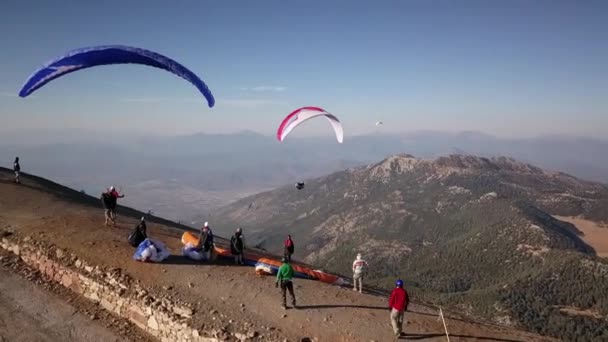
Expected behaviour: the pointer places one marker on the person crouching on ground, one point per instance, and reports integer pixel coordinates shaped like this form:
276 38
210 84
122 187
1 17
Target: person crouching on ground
205 241
359 266
398 303
237 246
139 234
284 279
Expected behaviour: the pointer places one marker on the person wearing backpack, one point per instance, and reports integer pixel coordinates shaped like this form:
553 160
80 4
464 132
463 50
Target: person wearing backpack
289 248
237 246
205 241
109 200
139 234
17 169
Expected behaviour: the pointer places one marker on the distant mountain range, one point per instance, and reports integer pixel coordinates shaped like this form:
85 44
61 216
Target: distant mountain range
186 176
477 234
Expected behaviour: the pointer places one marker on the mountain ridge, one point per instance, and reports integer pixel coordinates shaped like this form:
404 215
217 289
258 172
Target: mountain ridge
463 228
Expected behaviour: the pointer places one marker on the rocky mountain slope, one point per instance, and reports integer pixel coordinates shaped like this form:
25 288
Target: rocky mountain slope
475 233
227 302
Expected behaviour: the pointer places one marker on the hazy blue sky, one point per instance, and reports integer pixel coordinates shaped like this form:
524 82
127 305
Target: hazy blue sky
504 67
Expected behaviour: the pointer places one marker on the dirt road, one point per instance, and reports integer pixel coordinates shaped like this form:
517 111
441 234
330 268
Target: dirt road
28 313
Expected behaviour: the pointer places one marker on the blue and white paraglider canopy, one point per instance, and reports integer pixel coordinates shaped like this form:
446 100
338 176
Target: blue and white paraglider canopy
110 54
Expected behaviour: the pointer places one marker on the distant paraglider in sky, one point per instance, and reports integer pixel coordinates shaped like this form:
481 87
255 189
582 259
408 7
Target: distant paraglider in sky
300 115
379 123
300 185
110 54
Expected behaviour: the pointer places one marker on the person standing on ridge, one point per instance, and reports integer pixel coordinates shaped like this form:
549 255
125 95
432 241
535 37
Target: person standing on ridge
17 169
398 303
284 279
359 266
237 246
109 200
289 248
205 241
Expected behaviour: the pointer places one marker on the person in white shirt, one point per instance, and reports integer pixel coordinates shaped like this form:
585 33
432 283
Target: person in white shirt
359 266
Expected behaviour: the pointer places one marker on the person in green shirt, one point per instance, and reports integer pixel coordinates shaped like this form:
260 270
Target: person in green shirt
284 278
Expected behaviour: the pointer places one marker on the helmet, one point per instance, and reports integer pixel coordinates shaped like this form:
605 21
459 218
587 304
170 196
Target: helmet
112 188
239 230
143 218
399 283
359 256
206 224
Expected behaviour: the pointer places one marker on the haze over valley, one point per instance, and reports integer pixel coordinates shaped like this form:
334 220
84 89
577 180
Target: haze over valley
186 177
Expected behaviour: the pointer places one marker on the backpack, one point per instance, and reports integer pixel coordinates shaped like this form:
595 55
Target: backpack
136 237
106 200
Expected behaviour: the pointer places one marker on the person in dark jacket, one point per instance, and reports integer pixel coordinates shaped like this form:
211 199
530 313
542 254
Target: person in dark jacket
289 248
17 169
205 241
237 246
139 234
110 200
398 303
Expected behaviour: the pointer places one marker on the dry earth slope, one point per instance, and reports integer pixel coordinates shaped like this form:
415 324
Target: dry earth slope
225 298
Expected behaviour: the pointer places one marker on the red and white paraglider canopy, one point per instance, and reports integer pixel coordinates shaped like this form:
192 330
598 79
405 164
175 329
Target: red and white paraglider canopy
305 113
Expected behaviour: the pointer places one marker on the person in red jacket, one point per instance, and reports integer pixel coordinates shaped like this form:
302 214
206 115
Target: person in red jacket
289 247
398 303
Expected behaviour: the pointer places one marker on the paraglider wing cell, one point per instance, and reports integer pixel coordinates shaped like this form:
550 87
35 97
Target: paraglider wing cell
110 54
300 115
